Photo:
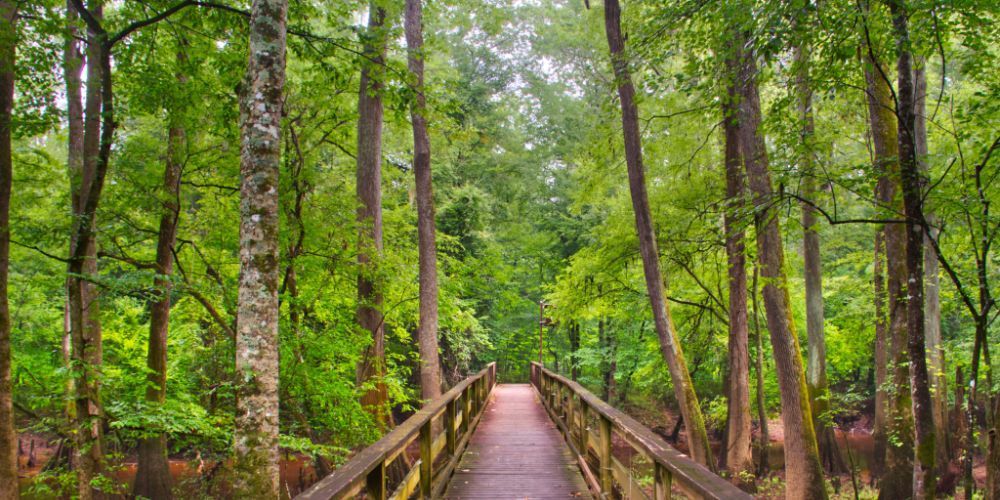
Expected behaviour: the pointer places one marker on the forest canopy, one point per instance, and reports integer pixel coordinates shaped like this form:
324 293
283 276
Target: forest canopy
241 241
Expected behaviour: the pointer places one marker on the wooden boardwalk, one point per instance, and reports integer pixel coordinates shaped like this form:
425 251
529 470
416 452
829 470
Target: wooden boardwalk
517 452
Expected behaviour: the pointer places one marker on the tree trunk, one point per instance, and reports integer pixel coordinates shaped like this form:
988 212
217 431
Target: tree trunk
881 418
609 360
152 478
669 342
738 456
85 320
256 441
765 435
923 464
72 73
803 470
993 458
574 348
895 437
9 487
932 301
819 391
430 366
371 369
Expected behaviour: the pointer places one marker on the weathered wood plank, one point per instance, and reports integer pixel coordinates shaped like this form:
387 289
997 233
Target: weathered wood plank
516 452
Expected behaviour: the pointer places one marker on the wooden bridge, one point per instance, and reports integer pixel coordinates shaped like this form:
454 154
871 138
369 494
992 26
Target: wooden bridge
548 439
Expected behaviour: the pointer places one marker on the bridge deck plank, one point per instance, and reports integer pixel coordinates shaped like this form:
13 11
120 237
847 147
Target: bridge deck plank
517 452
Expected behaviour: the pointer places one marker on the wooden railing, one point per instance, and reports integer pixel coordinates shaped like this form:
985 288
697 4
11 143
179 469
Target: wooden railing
456 413
587 424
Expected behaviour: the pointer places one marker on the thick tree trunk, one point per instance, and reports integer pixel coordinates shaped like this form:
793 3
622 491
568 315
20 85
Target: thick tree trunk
371 369
819 391
669 342
932 301
738 456
923 464
9 487
894 438
152 478
256 441
430 366
803 470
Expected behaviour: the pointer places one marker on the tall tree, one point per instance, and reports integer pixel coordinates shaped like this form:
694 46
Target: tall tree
256 440
152 478
893 433
803 469
816 380
372 368
923 436
8 439
670 346
430 366
738 457
84 310
932 284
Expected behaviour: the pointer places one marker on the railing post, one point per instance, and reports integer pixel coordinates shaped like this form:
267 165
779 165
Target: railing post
605 455
375 483
449 421
584 433
426 458
570 417
467 417
662 482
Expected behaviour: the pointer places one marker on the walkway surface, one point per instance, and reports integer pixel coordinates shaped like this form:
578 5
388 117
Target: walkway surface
517 452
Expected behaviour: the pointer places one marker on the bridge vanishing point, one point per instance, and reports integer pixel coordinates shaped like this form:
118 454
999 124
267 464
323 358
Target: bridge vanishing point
548 439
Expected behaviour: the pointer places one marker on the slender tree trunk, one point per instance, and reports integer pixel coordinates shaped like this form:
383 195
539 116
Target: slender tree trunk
803 470
765 435
8 437
819 391
880 425
574 348
738 456
430 366
372 368
256 441
72 73
85 320
152 478
993 458
932 301
609 360
894 445
669 342
923 464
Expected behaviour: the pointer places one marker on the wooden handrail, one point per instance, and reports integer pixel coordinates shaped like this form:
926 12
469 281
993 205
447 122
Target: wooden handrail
570 406
366 471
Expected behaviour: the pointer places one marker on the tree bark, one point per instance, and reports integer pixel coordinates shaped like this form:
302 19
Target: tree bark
430 365
9 487
819 390
609 360
152 478
371 369
72 73
85 321
923 464
893 440
670 346
738 456
803 470
256 441
574 348
932 300
765 436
